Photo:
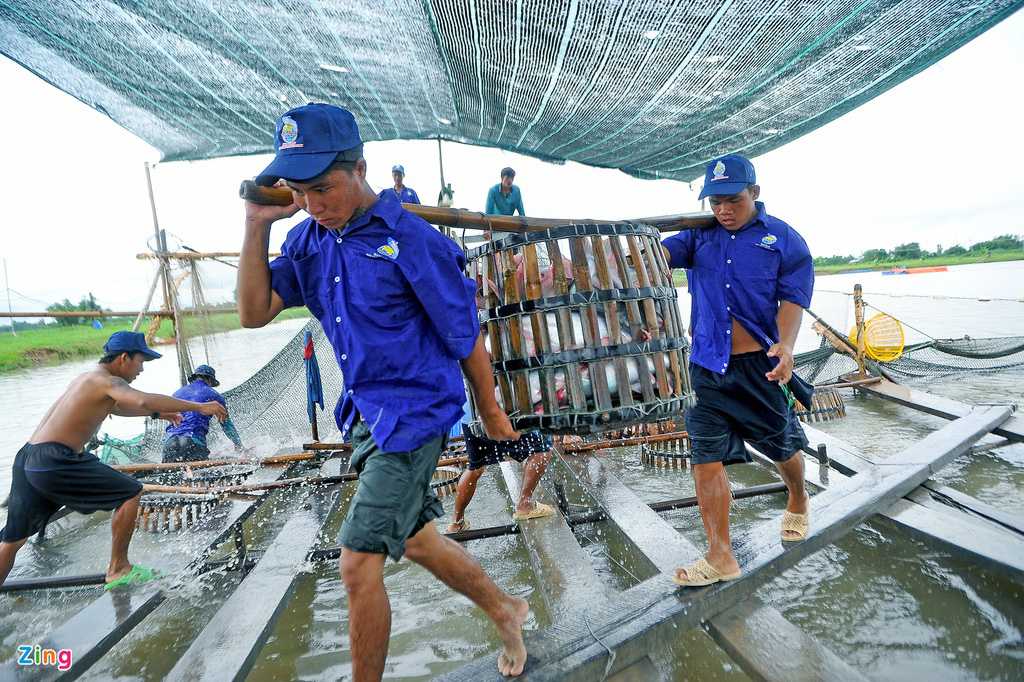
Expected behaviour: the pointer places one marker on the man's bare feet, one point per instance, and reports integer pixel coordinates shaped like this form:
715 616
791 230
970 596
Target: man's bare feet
512 658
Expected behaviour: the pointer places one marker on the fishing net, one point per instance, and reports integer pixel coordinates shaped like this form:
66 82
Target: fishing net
945 335
656 88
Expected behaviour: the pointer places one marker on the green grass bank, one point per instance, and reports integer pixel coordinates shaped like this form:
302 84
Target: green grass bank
36 347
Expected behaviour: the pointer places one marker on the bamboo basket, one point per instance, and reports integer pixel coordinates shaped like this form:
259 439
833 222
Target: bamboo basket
583 328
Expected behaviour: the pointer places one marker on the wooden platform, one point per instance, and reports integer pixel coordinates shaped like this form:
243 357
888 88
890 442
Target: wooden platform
94 630
231 642
647 616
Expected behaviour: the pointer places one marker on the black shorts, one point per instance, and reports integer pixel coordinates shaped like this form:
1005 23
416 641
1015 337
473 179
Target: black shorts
48 476
741 405
484 451
184 449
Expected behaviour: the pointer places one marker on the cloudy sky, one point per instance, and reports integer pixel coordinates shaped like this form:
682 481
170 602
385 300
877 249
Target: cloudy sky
936 160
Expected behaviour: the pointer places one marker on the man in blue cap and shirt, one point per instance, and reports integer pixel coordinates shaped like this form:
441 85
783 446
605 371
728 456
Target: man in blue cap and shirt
52 471
391 295
750 278
400 193
186 441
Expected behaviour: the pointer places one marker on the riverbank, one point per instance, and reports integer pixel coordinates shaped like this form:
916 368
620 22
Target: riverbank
966 259
56 345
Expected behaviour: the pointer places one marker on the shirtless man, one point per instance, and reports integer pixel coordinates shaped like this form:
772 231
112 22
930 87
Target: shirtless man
51 471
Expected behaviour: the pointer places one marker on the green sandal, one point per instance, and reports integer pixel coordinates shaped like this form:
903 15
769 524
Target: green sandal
138 574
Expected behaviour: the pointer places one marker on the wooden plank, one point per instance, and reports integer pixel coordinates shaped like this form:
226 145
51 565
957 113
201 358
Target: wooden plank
990 546
771 648
757 636
641 671
967 503
94 630
647 616
231 642
946 408
568 583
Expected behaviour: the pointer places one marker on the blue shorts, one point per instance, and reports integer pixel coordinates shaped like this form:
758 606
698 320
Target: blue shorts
484 451
741 405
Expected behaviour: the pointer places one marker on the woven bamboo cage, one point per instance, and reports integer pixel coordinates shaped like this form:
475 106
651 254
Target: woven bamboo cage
583 327
171 513
826 404
667 454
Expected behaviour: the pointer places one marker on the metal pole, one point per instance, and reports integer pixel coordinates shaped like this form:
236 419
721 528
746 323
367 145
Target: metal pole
9 309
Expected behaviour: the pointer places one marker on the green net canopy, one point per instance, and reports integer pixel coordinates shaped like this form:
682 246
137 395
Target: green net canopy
654 87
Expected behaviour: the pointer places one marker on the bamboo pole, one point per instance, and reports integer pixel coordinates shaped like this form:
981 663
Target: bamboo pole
455 217
198 255
149 299
287 483
207 463
623 442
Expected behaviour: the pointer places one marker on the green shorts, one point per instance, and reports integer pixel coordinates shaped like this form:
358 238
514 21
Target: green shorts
393 501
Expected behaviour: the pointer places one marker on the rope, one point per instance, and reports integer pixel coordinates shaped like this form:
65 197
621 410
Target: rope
611 654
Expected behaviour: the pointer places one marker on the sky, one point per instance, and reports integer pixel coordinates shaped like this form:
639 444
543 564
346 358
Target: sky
935 160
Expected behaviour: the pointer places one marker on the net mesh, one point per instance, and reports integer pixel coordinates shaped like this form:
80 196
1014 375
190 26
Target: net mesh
656 88
945 335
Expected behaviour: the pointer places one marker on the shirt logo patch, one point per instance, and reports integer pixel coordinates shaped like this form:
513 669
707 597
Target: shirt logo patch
390 249
719 172
289 133
769 239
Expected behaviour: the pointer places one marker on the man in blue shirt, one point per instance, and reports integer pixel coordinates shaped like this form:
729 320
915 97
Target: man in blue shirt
750 278
400 193
391 295
186 441
505 198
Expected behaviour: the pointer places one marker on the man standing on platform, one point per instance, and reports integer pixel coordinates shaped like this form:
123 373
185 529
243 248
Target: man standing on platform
186 441
401 193
751 276
505 198
52 471
390 293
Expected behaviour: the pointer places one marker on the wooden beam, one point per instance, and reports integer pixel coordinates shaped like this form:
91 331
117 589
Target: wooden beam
788 654
231 642
196 255
932 404
94 630
123 313
647 616
568 583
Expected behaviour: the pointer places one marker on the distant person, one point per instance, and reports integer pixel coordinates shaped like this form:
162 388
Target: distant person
532 449
186 440
446 197
52 471
751 276
401 193
505 198
390 293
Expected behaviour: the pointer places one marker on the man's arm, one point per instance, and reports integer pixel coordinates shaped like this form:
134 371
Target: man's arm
480 375
231 432
131 403
519 203
788 318
258 303
490 201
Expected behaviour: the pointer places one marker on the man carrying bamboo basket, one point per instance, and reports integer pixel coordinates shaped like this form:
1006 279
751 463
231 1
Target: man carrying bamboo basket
750 278
390 293
52 471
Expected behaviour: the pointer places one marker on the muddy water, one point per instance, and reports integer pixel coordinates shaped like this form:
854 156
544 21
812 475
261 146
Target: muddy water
891 607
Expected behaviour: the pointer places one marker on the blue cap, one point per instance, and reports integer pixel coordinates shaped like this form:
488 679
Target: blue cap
307 139
728 175
206 371
398 168
125 342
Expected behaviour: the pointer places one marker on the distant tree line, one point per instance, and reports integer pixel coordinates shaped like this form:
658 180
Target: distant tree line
913 251
87 303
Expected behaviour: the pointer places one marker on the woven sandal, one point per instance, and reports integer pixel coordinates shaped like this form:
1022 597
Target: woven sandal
798 523
460 527
702 573
539 510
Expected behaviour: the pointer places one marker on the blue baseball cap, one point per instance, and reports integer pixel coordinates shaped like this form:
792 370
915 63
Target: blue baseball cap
307 139
398 168
727 175
126 342
208 372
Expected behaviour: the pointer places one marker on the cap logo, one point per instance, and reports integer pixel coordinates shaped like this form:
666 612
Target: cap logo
719 172
289 133
390 249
